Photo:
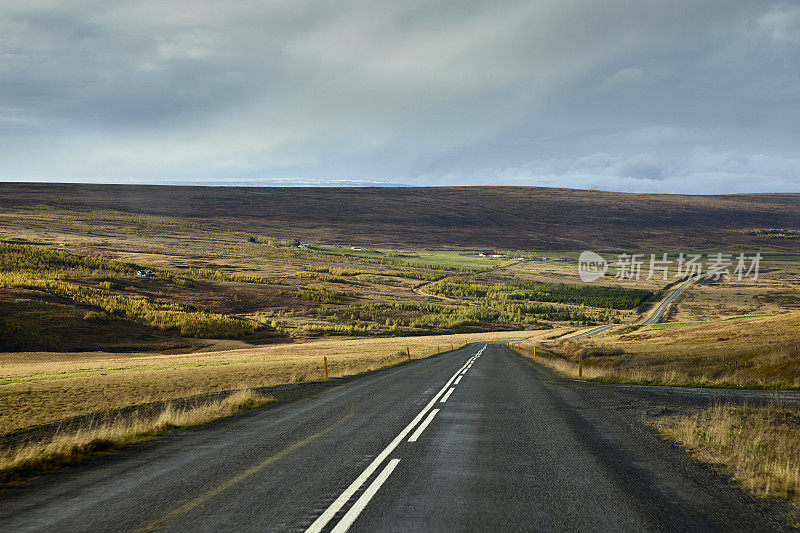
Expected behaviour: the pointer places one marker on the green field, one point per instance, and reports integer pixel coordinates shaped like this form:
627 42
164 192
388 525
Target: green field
449 259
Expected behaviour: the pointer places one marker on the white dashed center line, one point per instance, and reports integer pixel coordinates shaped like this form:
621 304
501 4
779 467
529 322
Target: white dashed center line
421 428
446 396
352 514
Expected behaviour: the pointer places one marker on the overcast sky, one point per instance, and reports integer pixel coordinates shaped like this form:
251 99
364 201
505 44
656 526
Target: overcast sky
646 96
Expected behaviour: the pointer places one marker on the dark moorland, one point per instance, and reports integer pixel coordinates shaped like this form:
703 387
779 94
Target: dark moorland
498 217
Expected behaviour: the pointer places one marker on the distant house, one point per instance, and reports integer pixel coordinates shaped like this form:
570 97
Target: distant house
144 273
491 253
303 245
358 248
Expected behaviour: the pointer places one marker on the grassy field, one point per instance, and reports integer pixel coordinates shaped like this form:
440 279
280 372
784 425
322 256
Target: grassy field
40 388
759 353
760 446
464 260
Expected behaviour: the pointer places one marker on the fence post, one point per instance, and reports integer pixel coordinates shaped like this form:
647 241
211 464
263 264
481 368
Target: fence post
326 366
534 353
408 352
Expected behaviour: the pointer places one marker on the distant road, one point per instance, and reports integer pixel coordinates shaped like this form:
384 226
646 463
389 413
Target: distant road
478 439
592 332
654 317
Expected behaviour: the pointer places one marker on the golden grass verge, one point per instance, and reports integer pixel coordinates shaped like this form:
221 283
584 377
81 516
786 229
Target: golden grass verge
30 459
753 353
42 388
568 367
759 445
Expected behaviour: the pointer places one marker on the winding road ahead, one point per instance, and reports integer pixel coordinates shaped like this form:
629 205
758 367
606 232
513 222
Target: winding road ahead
478 439
654 317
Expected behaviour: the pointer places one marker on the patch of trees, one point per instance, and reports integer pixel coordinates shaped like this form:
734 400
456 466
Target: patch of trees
588 295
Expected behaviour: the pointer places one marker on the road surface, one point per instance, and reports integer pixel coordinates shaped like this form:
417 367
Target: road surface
592 332
478 439
656 315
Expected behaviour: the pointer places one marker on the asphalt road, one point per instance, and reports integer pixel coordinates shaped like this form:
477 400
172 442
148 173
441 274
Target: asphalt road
656 315
479 439
592 332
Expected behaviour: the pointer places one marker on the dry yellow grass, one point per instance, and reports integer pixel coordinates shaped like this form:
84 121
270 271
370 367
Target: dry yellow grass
750 353
39 388
65 448
554 271
760 446
774 292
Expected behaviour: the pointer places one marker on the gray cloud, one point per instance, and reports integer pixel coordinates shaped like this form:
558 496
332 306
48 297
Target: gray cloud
679 96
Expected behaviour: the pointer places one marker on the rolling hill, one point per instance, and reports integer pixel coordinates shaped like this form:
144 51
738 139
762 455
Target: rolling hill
497 217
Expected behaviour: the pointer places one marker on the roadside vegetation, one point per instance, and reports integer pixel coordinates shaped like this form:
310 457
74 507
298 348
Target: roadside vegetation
753 353
760 446
29 459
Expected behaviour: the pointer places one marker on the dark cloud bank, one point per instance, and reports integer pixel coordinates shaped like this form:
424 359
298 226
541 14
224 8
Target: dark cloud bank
680 96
